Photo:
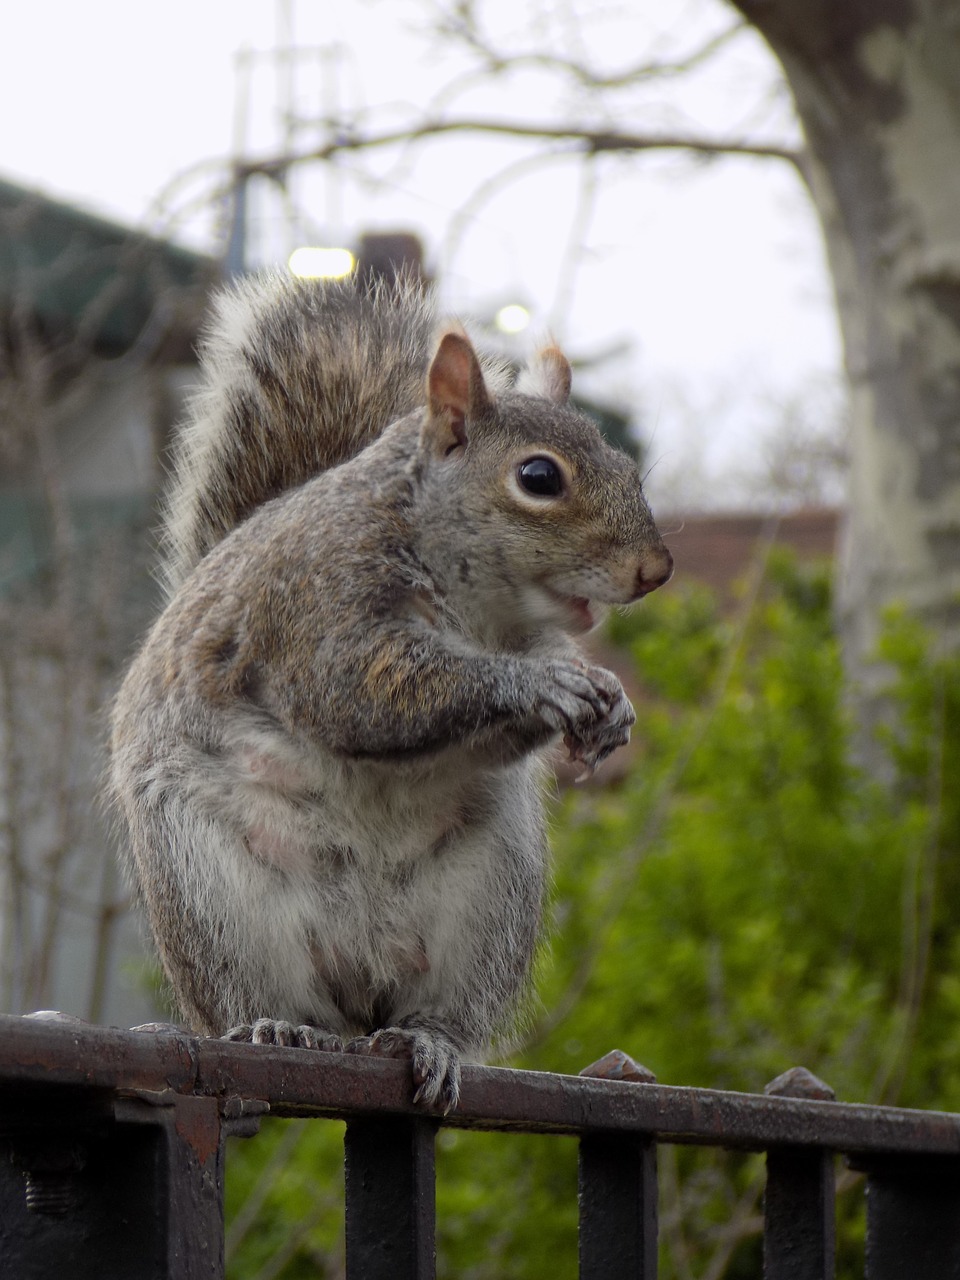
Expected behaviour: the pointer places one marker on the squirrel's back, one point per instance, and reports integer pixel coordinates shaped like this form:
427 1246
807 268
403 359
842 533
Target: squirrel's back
298 376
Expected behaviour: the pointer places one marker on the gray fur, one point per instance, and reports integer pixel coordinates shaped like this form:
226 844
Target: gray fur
327 754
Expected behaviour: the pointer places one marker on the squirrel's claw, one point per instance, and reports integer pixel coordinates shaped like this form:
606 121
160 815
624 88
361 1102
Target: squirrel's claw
588 704
435 1063
591 747
284 1035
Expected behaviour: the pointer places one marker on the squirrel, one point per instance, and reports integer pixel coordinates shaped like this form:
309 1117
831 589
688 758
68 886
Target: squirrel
328 754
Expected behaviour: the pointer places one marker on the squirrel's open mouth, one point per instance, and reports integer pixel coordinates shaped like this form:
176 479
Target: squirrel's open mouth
579 606
578 612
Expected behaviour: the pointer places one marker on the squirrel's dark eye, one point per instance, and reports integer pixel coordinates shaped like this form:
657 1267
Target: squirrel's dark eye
541 477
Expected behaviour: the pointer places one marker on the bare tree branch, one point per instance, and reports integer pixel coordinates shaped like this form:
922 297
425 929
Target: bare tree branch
589 141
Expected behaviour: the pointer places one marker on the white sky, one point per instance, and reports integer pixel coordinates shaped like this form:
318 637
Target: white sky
711 276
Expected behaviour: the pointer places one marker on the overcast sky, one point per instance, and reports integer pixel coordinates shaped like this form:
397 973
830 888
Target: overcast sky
711 278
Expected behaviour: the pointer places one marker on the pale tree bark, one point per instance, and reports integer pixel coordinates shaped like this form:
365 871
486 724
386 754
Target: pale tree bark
877 88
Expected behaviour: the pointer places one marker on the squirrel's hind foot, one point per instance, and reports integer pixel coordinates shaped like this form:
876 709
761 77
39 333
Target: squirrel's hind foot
434 1061
285 1035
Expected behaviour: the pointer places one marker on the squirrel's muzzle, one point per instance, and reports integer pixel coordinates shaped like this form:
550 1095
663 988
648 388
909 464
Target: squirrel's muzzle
655 570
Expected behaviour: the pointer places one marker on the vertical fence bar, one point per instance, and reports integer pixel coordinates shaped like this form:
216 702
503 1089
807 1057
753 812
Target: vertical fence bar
192 1170
618 1208
390 1198
799 1215
913 1218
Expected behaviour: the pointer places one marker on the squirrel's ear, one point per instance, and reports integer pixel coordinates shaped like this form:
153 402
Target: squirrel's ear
547 375
456 393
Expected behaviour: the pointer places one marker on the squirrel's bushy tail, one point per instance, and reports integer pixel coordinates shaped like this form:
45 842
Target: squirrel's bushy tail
298 376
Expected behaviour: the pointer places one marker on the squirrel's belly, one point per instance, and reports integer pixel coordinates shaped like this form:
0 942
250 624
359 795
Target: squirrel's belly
381 938
300 808
313 836
394 872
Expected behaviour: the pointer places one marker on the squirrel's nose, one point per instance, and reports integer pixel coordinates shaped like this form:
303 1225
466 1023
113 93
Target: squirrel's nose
654 572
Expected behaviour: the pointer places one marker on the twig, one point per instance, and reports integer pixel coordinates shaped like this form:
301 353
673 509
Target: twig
743 1223
462 27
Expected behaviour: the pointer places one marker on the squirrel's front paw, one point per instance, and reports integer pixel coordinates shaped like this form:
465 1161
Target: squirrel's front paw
588 705
434 1060
285 1035
592 745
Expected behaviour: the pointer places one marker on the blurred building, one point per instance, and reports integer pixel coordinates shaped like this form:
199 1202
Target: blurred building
718 550
97 331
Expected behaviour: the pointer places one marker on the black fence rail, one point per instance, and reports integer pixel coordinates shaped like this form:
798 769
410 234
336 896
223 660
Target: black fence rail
112 1157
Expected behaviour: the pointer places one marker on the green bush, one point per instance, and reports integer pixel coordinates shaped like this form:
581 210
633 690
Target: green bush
745 900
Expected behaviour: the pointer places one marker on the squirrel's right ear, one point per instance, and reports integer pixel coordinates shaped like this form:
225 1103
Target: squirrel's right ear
456 394
547 375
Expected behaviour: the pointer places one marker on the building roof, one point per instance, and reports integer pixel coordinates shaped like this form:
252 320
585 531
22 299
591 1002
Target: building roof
75 271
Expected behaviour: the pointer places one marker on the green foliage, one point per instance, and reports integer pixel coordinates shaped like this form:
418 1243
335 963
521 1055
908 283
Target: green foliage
745 900
285 1202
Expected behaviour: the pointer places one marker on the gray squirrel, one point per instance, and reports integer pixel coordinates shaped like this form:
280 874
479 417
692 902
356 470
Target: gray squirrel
328 754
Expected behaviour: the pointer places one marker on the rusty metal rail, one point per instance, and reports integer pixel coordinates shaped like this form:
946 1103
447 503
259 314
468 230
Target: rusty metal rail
111 1157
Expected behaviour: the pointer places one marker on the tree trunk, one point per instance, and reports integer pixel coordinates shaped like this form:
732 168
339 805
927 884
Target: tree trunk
877 88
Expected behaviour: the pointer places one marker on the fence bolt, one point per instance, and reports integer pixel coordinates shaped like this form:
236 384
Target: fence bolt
617 1065
798 1082
51 1181
241 1116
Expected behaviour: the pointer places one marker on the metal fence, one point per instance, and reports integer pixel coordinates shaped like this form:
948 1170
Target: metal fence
112 1157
